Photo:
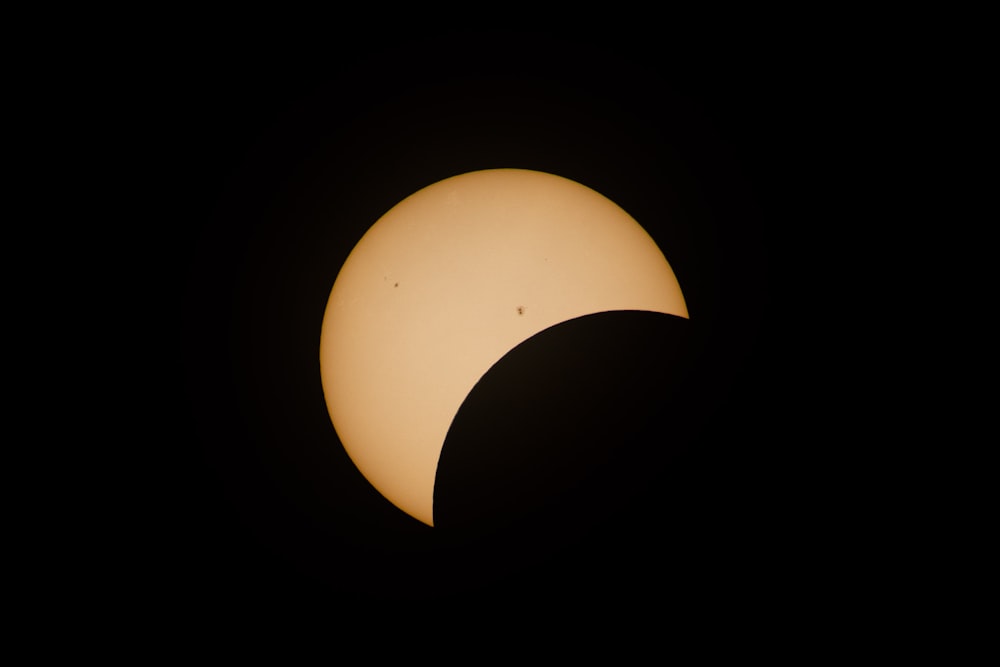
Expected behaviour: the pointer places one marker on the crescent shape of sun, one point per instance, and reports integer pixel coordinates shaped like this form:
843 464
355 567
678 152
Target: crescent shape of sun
444 285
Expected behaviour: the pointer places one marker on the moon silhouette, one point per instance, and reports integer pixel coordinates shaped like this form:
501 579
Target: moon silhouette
445 284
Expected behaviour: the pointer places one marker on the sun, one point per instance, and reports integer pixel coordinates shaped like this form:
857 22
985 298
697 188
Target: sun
445 284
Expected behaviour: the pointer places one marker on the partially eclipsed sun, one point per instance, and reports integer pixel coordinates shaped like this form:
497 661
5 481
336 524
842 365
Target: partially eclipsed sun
445 284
